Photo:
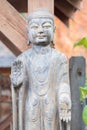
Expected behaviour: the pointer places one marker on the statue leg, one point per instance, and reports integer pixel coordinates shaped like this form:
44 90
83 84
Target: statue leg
50 113
32 113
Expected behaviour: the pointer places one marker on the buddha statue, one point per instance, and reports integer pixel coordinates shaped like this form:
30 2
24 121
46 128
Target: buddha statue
41 97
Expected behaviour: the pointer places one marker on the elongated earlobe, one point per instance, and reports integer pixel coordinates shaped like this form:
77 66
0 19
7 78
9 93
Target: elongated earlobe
53 42
54 28
28 42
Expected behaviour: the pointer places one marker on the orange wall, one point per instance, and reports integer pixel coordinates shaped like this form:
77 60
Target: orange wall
66 37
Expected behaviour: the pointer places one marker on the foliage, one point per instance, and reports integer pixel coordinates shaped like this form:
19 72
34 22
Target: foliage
82 42
83 93
83 89
83 96
84 115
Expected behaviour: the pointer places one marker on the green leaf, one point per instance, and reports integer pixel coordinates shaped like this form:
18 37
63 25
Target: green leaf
85 85
84 115
83 93
82 42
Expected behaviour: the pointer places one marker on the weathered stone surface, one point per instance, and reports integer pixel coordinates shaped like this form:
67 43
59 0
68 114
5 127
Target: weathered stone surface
40 80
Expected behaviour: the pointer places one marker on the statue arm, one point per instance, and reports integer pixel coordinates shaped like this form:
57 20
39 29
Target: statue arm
17 72
64 94
18 81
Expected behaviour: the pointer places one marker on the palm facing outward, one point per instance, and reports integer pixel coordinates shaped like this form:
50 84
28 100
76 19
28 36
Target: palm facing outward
17 73
65 107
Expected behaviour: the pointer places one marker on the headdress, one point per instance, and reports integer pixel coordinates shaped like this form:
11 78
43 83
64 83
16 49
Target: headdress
41 13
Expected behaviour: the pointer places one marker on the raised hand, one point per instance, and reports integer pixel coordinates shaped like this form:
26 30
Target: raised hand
17 73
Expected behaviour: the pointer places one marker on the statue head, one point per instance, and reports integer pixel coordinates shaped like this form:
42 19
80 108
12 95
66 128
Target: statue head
41 27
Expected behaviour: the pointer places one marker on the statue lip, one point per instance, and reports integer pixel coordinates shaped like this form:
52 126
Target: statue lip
41 36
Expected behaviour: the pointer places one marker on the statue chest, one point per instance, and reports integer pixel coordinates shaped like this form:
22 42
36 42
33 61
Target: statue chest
40 73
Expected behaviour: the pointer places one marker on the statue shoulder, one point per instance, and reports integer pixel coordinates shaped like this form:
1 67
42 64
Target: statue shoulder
23 56
59 56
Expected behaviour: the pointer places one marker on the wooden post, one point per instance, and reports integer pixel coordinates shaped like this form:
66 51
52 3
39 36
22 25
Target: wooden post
34 4
77 79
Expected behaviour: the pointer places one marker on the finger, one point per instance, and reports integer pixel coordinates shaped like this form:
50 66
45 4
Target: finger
62 114
65 115
14 64
68 116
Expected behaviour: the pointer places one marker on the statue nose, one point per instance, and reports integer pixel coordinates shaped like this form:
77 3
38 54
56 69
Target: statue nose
40 30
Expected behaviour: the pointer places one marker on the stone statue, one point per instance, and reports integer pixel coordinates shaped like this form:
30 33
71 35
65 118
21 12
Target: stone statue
40 80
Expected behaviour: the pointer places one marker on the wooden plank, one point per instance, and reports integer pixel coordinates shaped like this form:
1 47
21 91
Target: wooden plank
9 44
77 79
65 7
61 16
5 70
12 27
6 122
5 99
34 4
75 3
20 5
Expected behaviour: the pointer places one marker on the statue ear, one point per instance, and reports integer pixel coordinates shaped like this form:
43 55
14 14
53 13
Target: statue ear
28 41
53 41
54 28
52 44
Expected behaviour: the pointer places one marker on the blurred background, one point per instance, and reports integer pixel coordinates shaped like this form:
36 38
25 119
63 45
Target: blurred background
71 25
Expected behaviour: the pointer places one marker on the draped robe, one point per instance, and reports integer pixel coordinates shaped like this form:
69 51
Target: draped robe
36 78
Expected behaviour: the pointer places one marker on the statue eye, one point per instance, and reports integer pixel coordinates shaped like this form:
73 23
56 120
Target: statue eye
47 25
34 26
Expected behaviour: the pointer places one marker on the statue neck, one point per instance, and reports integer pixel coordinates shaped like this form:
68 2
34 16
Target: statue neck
41 49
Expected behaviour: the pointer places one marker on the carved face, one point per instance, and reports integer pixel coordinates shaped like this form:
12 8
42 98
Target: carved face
41 31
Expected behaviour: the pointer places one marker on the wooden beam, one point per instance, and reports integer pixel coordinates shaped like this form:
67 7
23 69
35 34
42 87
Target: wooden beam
13 28
5 99
20 5
66 8
9 44
5 70
34 4
75 3
61 16
6 122
5 64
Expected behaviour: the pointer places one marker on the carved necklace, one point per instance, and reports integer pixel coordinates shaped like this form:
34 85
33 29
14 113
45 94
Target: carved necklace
40 70
40 64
